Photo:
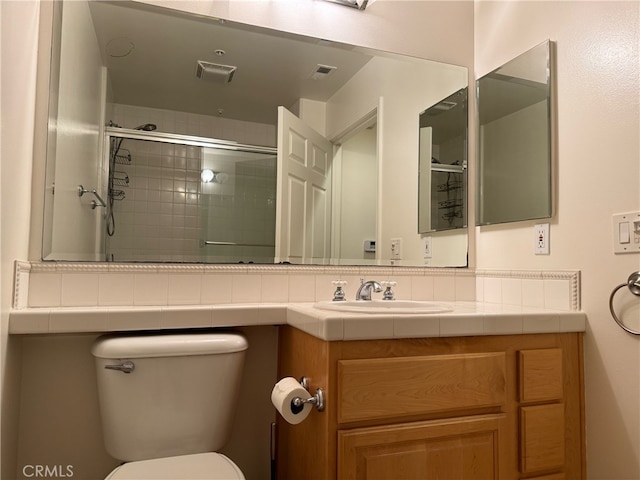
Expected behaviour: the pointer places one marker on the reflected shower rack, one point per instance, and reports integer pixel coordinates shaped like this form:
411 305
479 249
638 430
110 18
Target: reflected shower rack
120 179
123 159
118 194
446 187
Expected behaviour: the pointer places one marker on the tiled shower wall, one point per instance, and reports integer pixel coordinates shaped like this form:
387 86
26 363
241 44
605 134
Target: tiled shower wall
160 218
246 218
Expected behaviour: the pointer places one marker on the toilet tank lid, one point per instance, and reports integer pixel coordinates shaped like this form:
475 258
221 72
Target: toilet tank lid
167 345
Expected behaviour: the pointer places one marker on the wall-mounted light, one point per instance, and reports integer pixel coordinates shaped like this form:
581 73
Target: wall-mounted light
359 4
207 175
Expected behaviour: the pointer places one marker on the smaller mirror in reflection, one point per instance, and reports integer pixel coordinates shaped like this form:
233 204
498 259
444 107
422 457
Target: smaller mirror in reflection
514 156
442 196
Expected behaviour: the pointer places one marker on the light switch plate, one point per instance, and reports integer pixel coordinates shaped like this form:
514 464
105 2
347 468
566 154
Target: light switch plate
396 249
426 247
626 232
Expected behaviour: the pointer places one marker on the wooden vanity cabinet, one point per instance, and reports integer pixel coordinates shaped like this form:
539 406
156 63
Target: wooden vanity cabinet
479 408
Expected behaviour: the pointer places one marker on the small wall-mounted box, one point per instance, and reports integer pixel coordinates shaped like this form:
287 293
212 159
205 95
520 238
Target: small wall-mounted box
369 245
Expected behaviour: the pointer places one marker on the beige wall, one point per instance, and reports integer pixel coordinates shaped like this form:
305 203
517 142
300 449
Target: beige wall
18 40
399 93
598 173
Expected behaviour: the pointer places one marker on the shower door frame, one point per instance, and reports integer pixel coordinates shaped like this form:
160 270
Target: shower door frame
175 139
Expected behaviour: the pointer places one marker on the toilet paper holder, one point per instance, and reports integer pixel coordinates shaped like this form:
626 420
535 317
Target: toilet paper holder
317 400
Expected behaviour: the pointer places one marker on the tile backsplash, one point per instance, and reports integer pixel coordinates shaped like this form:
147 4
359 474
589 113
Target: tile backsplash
111 284
550 290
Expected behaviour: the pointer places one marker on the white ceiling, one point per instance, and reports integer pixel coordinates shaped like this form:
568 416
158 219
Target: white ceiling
273 68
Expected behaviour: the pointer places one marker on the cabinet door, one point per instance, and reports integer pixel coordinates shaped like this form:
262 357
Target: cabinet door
542 438
467 448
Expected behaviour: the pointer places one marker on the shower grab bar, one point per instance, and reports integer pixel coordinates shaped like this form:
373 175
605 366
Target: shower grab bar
209 242
633 283
94 204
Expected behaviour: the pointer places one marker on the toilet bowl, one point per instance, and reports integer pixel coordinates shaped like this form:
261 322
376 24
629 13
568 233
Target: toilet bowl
167 403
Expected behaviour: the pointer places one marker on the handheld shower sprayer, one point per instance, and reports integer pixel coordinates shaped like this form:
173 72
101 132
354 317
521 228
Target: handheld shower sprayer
147 127
116 143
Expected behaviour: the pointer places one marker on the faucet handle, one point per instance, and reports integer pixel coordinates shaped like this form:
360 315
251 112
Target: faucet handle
339 295
388 293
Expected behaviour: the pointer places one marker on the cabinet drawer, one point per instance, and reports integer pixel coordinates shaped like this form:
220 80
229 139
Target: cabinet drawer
540 373
393 387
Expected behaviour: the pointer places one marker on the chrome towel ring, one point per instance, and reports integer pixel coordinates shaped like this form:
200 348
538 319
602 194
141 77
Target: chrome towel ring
633 283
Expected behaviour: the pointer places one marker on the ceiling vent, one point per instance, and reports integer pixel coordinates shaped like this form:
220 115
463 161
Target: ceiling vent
213 72
322 71
438 108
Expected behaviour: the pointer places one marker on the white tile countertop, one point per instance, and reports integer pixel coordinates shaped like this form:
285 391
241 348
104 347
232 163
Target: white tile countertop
464 319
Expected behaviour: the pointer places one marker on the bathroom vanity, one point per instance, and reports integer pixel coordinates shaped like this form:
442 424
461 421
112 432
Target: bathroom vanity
480 389
478 407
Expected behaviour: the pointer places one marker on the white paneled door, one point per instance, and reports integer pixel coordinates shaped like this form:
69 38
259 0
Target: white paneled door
303 211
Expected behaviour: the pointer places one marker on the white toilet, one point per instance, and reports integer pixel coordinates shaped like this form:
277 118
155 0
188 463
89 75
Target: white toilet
167 402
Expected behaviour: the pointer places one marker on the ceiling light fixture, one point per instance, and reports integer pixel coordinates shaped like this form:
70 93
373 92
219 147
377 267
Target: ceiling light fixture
359 4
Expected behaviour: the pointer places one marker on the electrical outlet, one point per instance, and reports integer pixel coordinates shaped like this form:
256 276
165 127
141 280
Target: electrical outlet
396 249
541 239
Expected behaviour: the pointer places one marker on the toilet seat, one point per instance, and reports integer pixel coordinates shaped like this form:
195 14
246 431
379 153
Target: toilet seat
212 466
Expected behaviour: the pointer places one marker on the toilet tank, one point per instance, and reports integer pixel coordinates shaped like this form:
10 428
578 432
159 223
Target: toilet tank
180 397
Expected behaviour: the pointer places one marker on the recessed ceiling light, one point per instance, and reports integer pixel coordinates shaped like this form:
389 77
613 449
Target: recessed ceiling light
119 47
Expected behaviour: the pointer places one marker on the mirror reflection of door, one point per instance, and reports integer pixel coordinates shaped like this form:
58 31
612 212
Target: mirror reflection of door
303 204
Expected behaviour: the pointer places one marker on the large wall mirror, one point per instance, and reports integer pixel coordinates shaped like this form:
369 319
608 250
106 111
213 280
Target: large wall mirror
178 138
515 139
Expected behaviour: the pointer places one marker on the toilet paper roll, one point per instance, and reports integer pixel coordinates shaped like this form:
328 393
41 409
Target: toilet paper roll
282 398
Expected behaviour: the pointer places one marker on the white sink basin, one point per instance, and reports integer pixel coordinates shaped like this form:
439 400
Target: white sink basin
384 306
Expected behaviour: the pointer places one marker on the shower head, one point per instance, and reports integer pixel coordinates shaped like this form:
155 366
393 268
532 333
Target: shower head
147 127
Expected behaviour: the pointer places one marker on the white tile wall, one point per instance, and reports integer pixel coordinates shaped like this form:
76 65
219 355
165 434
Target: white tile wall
76 285
550 290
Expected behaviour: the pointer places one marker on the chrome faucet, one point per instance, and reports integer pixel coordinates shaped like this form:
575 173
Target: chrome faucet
364 292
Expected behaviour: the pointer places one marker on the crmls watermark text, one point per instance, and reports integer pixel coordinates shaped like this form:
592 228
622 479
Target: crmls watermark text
47 471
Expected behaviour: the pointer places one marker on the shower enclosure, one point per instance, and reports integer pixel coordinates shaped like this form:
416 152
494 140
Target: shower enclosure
181 198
